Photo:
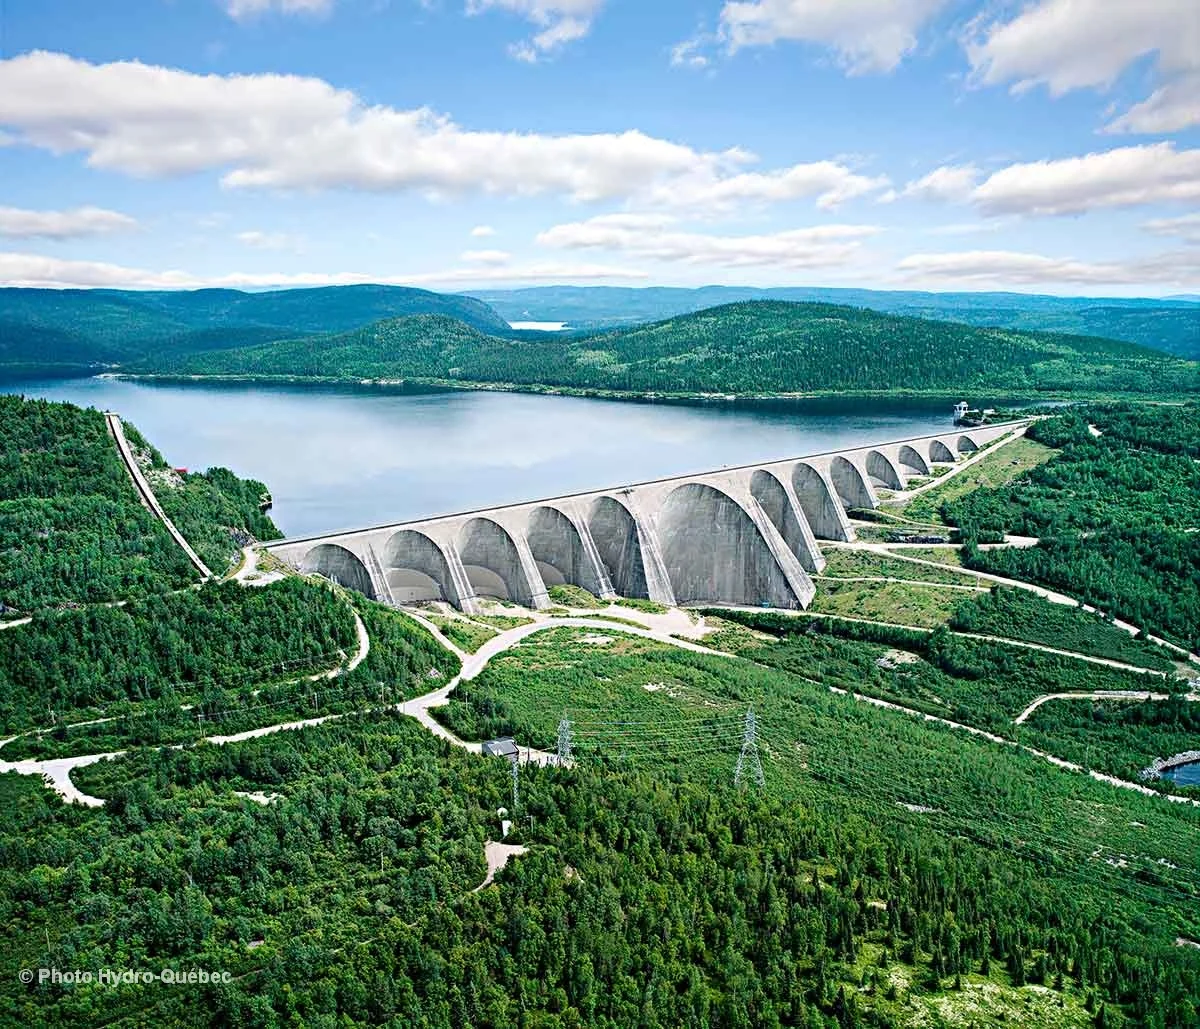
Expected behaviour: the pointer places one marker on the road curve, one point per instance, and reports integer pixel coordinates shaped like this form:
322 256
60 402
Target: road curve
56 772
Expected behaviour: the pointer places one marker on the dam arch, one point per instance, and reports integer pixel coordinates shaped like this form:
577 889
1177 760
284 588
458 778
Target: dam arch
773 498
713 552
492 562
940 453
558 550
851 487
819 502
966 445
416 569
619 545
882 472
913 461
339 565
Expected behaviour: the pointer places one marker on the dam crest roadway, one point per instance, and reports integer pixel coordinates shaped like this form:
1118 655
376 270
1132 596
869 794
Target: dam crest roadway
745 535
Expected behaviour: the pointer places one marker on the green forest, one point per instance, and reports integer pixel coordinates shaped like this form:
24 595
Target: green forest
81 331
1116 514
73 529
751 348
889 872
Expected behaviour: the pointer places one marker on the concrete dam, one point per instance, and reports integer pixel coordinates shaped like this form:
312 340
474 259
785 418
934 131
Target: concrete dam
745 535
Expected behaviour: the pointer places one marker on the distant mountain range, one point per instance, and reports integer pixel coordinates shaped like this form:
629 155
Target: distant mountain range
752 348
73 331
1171 324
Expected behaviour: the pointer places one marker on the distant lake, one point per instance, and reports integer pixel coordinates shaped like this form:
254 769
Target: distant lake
349 457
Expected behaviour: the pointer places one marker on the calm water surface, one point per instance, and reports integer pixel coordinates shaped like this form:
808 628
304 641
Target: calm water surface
1184 775
338 458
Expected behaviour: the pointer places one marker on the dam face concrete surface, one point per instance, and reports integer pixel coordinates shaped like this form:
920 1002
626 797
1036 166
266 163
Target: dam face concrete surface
745 535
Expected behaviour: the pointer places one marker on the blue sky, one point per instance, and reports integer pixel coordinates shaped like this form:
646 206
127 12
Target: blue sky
1044 146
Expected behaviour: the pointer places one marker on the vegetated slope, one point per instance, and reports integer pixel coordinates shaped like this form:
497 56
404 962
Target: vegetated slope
71 331
72 528
747 348
1116 515
1169 324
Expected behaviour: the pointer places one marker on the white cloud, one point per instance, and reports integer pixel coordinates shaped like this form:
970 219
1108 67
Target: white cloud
287 132
1173 107
482 231
268 240
18 223
655 237
485 256
951 183
243 9
1010 268
35 270
706 190
561 22
1186 227
1077 44
688 54
868 35
1124 177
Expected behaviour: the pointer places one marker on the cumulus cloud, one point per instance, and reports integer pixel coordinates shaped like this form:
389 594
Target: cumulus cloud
35 270
949 183
656 237
244 9
1011 268
1173 107
268 240
287 132
1077 44
868 35
829 182
560 21
18 223
482 231
1124 177
1186 227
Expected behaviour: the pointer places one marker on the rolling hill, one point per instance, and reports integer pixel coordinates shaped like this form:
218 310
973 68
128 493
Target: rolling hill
747 348
75 331
1171 324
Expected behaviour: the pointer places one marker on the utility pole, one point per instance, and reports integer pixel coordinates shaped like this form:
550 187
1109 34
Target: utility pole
516 777
564 742
748 759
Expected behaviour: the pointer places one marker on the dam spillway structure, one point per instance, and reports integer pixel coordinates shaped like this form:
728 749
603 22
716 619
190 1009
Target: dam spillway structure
741 536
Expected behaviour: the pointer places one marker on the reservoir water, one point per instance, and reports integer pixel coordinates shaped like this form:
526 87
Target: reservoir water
340 458
1184 775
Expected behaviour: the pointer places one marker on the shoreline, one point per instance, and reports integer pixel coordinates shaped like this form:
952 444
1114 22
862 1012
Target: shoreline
417 385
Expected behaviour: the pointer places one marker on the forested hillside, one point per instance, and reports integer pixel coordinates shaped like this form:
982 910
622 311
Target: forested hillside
1117 514
72 528
1172 325
751 348
73 331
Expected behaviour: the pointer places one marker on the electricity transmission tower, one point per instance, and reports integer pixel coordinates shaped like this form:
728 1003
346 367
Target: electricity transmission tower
564 742
748 761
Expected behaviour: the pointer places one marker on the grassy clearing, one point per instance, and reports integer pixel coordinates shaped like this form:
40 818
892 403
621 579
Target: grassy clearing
925 606
573 596
502 622
950 556
998 468
851 564
465 635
